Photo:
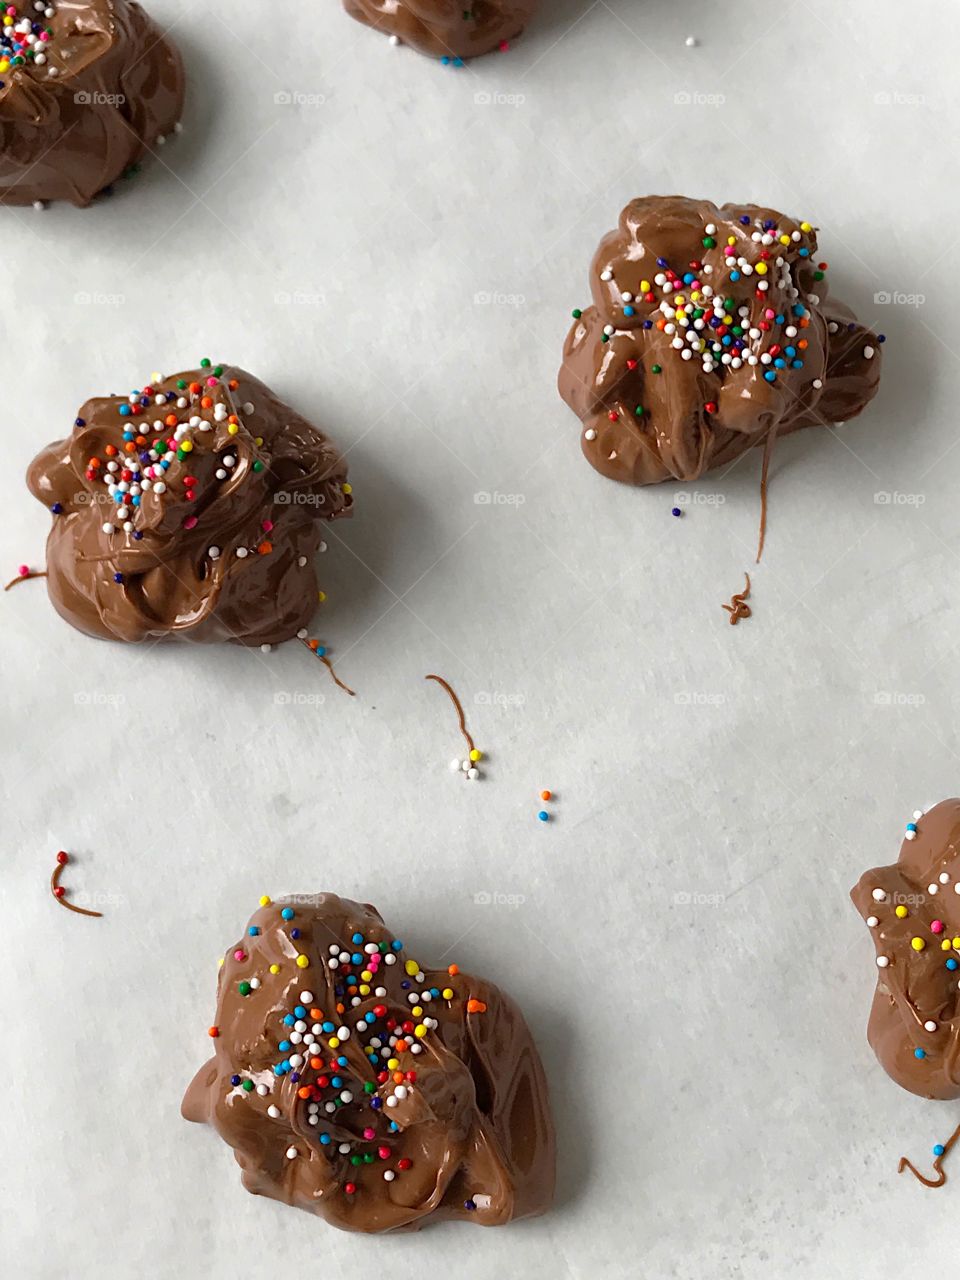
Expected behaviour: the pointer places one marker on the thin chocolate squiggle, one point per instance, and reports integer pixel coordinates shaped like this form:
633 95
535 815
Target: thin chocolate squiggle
459 706
937 1164
313 645
767 452
25 577
738 607
60 893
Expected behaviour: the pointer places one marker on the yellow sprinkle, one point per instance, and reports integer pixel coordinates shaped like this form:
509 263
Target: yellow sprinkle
333 1042
447 993
420 1031
186 446
368 1050
321 596
761 268
366 976
784 239
731 239
303 962
956 943
476 755
258 440
412 967
805 226
644 286
233 428
274 968
901 912
364 988
220 963
347 488
918 944
393 1063
945 945
416 1011
4 65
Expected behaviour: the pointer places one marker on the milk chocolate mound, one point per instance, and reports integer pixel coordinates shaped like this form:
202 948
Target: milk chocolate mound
710 329
89 86
446 28
190 509
913 912
357 1084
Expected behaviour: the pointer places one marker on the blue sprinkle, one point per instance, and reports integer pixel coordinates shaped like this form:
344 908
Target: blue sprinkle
951 964
294 933
356 958
939 1149
734 275
324 1139
369 1017
911 826
397 944
287 913
253 930
118 577
661 262
328 1026
288 1020
804 253
234 1080
57 508
745 220
919 1053
300 1011
629 311
124 411
770 376
543 815
357 939
137 535
284 1045
342 1061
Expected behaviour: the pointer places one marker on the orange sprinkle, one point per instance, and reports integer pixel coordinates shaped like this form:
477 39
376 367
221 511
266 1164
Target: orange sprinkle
316 1063
141 440
546 795
233 419
316 1015
453 970
194 387
398 1077
94 462
476 1006
803 344
265 548
234 384
400 1046
340 1008
313 644
171 419
129 447
206 402
213 1031
110 450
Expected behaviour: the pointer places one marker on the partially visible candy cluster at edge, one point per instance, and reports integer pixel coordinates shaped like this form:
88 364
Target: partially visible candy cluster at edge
933 934
24 39
309 1041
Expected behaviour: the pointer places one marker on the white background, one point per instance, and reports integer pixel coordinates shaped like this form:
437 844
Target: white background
684 949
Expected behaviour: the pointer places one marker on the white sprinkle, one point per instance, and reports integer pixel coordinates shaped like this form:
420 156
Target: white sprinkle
817 383
882 962
213 553
265 648
273 1112
254 984
322 547
473 774
394 40
291 1153
242 553
930 1026
306 997
879 895
388 1175
301 561
392 1102
944 878
932 888
606 275
872 921
589 434
868 353
917 815
248 408
302 633
910 835
455 766
691 42
262 1090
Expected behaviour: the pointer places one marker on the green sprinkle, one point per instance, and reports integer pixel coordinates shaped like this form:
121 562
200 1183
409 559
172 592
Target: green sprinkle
639 411
244 988
247 1086
577 313
218 370
181 384
204 363
369 1086
656 369
258 465
605 337
709 242
818 275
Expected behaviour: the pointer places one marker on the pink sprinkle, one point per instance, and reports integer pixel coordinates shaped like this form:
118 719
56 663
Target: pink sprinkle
211 382
770 315
23 570
190 522
369 1134
239 954
266 525
937 926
